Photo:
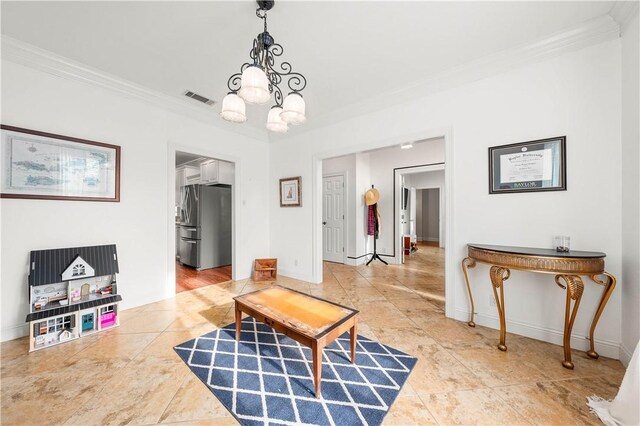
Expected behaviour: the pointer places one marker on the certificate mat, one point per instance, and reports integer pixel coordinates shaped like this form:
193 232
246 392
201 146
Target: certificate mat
528 166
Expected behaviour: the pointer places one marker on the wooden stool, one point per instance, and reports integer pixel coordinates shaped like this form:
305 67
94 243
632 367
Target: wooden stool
265 269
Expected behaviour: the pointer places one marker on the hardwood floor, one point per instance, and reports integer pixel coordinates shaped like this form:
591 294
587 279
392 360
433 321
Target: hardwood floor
188 278
132 375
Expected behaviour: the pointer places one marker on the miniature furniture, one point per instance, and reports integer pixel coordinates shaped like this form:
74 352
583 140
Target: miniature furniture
566 266
265 269
406 243
72 293
312 321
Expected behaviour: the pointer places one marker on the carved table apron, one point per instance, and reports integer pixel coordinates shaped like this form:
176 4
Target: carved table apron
567 267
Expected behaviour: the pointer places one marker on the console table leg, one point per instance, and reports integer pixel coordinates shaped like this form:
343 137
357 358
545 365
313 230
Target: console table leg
575 288
468 263
498 276
609 284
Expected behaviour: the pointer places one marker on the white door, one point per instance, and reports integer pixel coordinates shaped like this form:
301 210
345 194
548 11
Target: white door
333 218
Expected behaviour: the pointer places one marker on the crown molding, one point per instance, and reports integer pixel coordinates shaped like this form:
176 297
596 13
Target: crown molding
574 38
22 53
623 12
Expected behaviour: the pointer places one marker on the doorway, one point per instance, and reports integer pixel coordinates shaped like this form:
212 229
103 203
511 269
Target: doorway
361 244
203 213
333 217
422 213
427 217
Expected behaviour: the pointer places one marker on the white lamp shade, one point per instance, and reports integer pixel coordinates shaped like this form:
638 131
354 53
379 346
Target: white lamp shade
293 109
233 109
274 122
254 86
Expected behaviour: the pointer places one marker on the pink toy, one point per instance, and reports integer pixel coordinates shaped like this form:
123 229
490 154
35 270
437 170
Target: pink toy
108 319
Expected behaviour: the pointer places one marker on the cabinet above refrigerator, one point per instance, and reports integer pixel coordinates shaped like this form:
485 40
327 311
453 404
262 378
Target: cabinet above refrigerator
216 172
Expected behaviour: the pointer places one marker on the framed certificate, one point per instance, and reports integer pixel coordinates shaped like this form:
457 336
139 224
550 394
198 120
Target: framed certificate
528 166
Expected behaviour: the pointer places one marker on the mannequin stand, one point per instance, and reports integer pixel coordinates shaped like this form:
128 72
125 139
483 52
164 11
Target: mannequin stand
375 253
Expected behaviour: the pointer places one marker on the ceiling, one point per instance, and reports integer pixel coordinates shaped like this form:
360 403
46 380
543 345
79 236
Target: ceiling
185 157
348 51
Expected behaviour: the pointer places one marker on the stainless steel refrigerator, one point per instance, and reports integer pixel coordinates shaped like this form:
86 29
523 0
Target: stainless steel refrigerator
205 226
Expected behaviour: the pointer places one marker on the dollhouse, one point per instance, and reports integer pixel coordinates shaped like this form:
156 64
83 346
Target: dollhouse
72 293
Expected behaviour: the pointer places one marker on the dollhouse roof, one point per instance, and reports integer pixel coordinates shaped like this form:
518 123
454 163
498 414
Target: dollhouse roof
47 266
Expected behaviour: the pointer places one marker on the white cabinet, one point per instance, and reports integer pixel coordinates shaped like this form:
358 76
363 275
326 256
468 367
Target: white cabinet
185 175
214 172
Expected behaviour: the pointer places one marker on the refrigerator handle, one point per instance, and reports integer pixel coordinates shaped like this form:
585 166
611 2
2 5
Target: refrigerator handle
187 203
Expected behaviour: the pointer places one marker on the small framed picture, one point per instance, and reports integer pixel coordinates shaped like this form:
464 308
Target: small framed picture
290 192
39 165
528 166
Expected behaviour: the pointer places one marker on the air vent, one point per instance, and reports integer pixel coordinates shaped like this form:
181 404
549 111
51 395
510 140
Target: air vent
198 98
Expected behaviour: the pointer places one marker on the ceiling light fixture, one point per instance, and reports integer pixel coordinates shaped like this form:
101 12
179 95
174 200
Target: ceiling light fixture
406 146
258 79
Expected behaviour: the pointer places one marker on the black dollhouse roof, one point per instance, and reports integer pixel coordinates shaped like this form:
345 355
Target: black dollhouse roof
47 266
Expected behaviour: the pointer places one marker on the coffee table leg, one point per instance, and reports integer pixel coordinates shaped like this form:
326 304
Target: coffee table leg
316 352
238 322
354 336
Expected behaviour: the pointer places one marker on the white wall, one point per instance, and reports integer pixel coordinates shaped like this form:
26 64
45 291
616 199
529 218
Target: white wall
141 225
363 183
419 214
630 284
577 95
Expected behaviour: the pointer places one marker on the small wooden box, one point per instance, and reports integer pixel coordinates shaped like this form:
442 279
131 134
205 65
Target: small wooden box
265 269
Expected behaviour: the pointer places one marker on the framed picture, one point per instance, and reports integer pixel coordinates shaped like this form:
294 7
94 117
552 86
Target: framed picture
528 166
46 166
290 192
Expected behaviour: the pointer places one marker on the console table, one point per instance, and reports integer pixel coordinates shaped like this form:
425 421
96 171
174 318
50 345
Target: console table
567 267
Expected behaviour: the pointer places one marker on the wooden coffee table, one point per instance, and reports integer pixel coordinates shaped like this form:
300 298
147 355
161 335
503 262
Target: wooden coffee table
309 320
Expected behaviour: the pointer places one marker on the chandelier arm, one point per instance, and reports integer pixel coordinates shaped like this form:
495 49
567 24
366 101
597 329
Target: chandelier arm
277 95
234 81
296 81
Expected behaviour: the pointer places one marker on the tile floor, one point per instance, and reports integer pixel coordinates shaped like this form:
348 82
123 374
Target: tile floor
131 375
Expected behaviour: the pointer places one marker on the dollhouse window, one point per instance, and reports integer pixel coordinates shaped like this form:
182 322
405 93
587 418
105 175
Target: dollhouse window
78 270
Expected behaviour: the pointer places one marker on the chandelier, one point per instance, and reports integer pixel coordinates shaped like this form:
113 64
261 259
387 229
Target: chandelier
260 78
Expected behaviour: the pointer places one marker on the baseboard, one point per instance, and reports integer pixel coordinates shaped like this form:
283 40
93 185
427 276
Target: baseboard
295 275
14 332
603 347
431 239
356 262
625 355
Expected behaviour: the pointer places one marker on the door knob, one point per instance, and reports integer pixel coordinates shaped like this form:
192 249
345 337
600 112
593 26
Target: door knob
324 223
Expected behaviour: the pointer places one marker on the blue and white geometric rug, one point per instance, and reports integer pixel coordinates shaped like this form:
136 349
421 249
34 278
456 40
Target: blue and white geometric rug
266 378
